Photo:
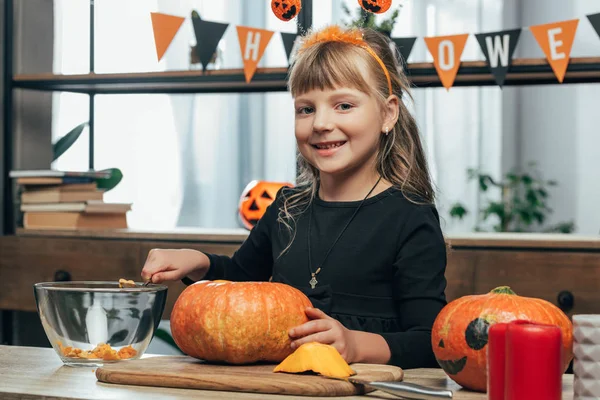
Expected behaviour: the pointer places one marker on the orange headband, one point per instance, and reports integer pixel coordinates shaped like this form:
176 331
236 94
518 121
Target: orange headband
334 33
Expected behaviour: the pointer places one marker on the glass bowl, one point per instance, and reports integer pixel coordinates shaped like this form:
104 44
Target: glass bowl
92 323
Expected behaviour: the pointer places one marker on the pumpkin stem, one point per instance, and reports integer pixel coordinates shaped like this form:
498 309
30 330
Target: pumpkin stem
503 290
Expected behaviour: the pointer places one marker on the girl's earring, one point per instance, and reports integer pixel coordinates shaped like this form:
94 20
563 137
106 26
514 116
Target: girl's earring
387 131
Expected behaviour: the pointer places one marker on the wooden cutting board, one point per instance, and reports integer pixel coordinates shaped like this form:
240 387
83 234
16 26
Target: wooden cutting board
189 373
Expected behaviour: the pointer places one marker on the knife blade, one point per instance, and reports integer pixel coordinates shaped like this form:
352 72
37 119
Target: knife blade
406 390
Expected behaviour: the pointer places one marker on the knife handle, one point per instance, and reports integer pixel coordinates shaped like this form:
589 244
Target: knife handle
411 391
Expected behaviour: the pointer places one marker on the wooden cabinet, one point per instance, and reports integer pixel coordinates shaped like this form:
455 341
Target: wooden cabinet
26 260
544 268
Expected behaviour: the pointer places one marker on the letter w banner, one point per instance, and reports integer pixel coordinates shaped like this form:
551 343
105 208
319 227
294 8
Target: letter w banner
253 43
556 40
446 52
498 48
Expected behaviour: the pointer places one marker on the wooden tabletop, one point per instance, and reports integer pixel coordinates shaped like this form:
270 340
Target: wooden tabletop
37 373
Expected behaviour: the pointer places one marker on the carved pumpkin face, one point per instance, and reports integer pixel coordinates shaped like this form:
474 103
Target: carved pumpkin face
255 199
375 6
285 10
459 335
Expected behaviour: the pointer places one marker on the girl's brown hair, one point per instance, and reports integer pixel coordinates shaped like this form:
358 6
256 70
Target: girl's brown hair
400 159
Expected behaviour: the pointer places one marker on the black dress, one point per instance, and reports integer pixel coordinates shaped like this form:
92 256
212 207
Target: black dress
385 275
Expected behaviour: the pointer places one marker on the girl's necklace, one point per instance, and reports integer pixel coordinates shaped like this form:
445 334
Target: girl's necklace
313 280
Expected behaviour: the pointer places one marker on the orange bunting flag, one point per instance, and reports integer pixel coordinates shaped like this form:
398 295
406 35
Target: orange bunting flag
556 40
165 28
253 43
446 52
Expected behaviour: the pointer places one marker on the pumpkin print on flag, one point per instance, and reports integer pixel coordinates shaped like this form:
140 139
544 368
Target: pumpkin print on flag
459 336
255 199
375 6
285 10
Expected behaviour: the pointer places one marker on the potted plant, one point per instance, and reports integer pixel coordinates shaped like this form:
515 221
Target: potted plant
65 142
523 204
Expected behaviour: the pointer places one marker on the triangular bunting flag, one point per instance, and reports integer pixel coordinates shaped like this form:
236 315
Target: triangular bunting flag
208 34
404 46
446 52
595 21
253 43
165 28
498 48
289 39
556 40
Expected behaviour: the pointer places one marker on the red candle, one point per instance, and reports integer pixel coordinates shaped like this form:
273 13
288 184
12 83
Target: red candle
533 367
495 361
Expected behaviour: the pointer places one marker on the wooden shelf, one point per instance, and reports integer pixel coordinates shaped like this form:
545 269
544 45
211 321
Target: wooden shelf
196 81
535 71
522 72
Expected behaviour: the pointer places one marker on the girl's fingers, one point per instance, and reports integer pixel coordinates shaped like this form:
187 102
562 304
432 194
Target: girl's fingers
315 313
165 276
320 337
310 327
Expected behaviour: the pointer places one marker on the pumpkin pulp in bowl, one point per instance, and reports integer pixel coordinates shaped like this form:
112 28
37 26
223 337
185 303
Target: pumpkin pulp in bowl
92 323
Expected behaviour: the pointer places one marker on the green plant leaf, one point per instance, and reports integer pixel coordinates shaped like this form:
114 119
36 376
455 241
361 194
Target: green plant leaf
527 180
495 208
167 338
64 143
458 211
539 216
525 217
113 180
512 178
531 197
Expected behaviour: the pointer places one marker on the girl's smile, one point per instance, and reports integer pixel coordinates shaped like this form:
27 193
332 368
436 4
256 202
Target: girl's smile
326 149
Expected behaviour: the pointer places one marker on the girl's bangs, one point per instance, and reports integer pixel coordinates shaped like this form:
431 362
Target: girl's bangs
328 66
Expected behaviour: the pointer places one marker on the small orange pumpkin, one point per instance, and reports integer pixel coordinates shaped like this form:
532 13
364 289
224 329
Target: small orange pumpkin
237 322
375 6
285 10
459 335
255 199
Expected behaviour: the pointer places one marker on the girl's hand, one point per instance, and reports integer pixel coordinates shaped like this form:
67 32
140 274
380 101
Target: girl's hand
172 265
324 329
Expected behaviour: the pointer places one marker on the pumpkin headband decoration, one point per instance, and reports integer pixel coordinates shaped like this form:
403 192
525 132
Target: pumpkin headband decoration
353 36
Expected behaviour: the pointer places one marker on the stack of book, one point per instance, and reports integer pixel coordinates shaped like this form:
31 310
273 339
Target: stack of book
52 199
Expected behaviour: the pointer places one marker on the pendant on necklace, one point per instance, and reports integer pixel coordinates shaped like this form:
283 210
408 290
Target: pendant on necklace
313 281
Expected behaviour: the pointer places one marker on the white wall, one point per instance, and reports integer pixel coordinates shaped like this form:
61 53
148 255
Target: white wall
556 125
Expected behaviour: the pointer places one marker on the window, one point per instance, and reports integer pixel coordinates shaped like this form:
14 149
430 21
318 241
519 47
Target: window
185 158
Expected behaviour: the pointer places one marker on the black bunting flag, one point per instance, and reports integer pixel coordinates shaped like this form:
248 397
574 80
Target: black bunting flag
208 34
595 21
288 42
498 48
404 46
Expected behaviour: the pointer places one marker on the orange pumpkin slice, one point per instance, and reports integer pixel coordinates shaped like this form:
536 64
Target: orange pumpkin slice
321 358
125 283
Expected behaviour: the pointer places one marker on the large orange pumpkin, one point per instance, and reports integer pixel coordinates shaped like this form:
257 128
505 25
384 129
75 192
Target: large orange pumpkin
255 199
237 322
285 10
460 332
375 6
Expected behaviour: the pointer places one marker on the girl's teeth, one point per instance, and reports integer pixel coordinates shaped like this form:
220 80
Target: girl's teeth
329 146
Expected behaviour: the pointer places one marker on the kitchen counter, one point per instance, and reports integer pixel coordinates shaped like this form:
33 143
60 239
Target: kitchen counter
37 373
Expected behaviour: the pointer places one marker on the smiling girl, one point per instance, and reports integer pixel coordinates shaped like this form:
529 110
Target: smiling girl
359 234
